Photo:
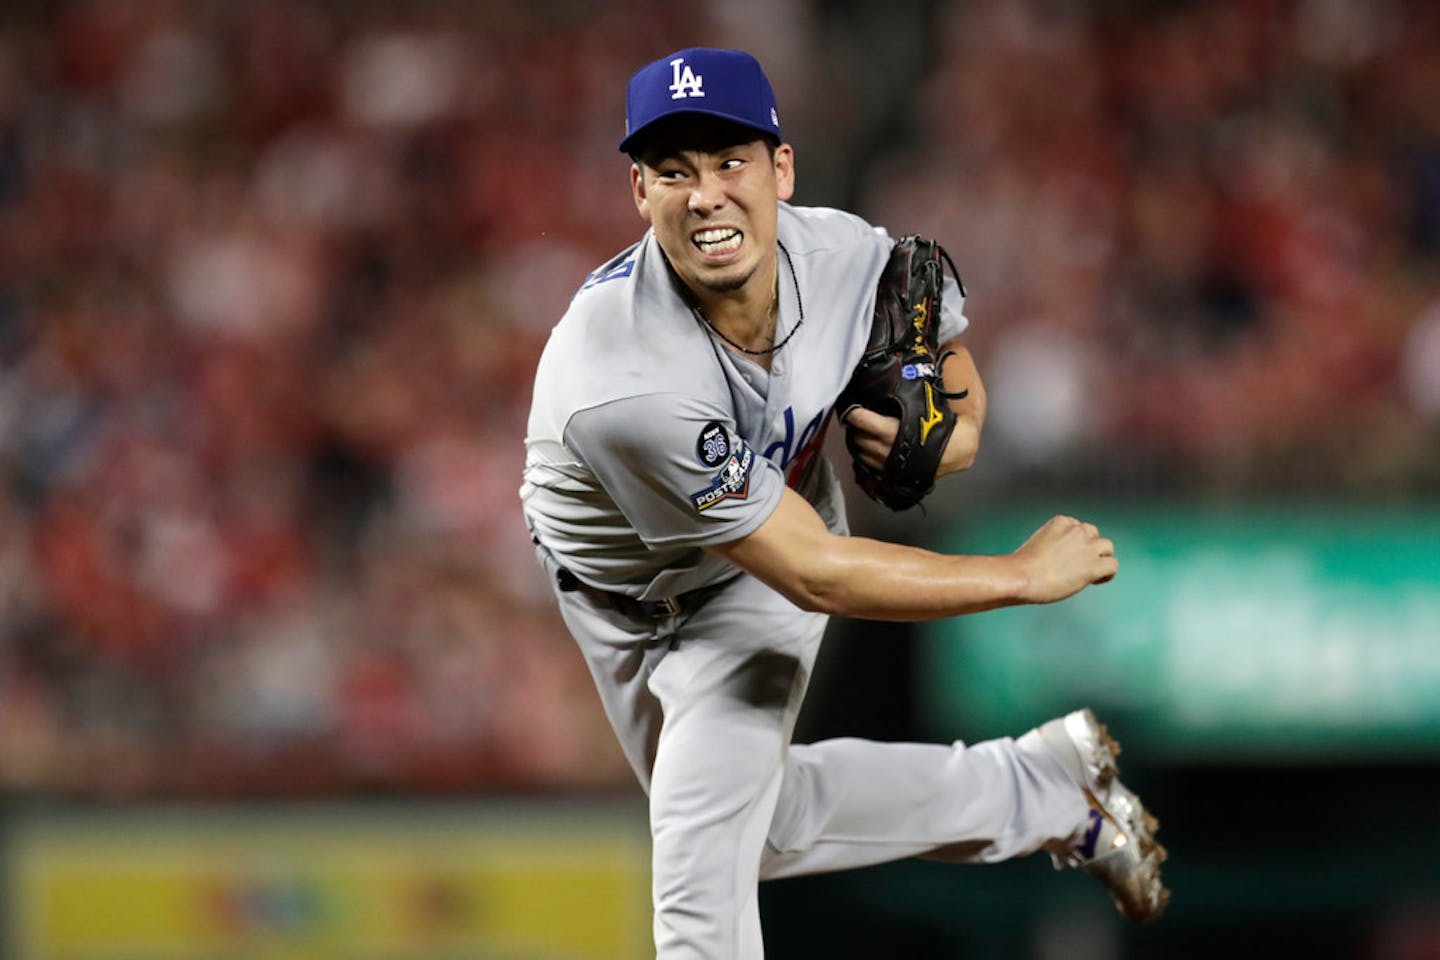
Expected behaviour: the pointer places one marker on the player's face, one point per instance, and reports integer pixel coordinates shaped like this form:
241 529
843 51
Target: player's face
714 210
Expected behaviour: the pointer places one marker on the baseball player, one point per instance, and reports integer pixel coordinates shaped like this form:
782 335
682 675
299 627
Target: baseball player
697 540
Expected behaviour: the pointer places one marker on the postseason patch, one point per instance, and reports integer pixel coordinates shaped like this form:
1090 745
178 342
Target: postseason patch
713 444
731 483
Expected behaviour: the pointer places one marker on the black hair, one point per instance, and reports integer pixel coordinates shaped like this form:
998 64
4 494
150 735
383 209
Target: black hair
695 131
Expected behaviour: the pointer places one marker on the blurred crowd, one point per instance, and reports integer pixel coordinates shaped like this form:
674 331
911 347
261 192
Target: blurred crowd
1203 239
274 277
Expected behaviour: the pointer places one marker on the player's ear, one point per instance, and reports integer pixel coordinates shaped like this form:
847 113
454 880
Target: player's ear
784 171
637 188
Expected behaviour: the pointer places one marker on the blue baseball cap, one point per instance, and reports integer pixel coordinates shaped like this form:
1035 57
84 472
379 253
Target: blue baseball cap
720 83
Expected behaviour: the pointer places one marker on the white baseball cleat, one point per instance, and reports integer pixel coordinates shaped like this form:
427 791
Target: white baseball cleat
1116 845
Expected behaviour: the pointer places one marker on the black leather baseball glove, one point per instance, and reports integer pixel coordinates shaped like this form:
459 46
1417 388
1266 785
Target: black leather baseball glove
899 375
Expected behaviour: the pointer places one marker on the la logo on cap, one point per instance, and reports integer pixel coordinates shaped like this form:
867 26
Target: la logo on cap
738 92
685 82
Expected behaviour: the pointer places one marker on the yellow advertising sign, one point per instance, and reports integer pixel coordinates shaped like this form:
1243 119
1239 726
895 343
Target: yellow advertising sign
486 883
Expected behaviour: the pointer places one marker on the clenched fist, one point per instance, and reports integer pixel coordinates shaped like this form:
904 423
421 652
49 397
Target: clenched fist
1064 557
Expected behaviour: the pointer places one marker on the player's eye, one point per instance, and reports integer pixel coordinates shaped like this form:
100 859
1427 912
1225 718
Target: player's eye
732 163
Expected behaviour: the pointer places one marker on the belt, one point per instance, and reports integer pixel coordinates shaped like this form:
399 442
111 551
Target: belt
624 604
637 609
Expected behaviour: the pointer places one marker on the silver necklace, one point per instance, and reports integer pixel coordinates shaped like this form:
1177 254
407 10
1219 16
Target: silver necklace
799 305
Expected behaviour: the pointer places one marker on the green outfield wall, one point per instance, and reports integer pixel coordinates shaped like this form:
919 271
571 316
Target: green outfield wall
1286 630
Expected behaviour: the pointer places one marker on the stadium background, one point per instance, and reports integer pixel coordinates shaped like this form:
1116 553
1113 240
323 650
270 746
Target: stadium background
277 676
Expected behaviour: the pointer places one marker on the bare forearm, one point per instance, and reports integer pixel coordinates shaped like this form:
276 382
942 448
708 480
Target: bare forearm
961 375
874 580
796 555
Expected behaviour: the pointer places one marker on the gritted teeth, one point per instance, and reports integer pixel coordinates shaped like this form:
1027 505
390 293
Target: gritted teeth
717 239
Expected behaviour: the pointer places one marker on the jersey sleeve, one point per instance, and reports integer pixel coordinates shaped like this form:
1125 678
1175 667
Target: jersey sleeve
676 468
953 321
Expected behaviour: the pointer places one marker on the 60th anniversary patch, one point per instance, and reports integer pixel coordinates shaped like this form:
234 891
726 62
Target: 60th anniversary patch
731 483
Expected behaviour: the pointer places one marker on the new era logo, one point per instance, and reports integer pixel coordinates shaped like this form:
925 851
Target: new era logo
685 82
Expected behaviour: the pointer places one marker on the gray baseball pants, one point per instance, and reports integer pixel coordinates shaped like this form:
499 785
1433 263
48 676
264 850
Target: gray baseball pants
704 706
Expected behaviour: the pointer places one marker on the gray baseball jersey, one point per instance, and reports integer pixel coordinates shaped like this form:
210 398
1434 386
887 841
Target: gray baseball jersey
649 440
